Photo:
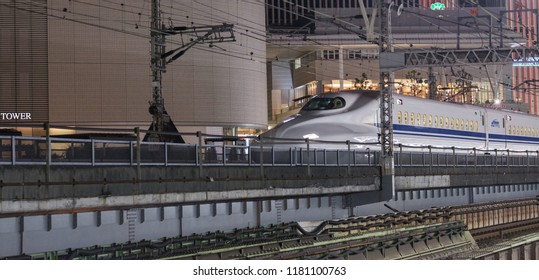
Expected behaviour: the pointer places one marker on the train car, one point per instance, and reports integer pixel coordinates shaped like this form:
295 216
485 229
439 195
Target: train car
355 116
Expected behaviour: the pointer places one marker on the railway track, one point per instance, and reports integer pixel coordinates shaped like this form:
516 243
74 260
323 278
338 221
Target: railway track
356 237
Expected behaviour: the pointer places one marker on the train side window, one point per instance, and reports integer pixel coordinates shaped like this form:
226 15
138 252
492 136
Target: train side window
412 119
441 121
466 125
446 122
399 117
435 121
476 125
430 120
462 124
452 122
424 119
418 116
406 117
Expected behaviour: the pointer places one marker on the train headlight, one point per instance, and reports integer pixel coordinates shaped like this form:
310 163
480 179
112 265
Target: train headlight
310 136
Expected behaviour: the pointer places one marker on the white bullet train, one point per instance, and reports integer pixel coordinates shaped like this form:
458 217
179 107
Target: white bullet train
355 116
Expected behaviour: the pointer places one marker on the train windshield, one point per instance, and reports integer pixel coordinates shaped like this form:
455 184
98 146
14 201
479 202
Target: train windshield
322 103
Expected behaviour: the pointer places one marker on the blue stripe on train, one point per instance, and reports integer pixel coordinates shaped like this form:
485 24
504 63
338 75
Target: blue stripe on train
460 134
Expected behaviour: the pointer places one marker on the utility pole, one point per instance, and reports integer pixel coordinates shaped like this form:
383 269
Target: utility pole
387 78
157 106
159 59
389 61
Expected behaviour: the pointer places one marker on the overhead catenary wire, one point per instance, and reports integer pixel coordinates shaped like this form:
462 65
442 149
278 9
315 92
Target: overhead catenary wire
248 55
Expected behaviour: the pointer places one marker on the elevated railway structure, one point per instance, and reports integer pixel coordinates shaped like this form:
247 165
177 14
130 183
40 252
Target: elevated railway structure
53 183
55 175
464 232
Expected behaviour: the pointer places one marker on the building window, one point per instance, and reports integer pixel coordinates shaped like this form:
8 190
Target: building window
297 63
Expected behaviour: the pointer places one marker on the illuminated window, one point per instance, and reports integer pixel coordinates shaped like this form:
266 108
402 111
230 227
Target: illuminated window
435 121
446 122
297 63
452 123
412 119
418 115
476 126
462 124
424 119
406 117
466 125
399 117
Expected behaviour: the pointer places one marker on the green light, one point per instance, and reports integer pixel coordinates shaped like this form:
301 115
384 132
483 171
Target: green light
437 6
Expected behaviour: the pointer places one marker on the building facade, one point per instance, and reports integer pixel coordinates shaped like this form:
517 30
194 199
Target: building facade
87 63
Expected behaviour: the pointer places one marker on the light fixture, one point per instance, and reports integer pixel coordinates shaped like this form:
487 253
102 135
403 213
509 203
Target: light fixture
310 136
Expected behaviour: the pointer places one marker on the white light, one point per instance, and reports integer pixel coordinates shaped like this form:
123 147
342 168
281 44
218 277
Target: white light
310 136
289 119
496 101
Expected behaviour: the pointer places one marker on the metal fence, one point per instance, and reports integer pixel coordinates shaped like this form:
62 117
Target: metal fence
22 150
